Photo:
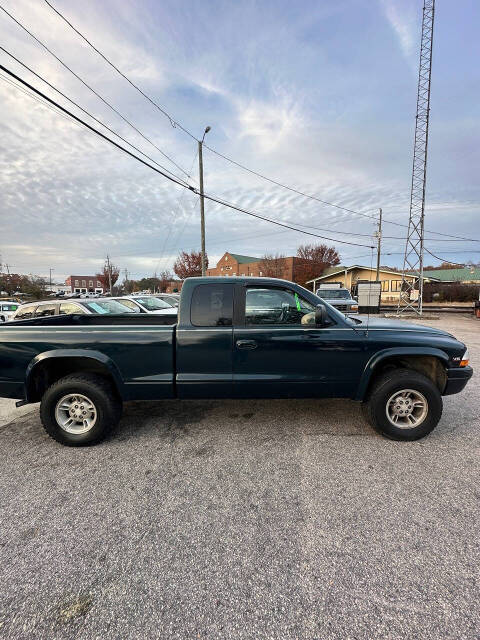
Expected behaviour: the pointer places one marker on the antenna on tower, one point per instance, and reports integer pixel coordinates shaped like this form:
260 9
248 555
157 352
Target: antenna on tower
413 257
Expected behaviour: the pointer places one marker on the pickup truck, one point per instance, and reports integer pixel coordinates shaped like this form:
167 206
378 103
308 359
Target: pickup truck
236 337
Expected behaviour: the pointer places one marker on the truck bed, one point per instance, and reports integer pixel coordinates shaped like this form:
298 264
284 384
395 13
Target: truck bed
137 349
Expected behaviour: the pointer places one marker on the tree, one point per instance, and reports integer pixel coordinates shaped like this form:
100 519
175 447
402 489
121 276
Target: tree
104 276
164 280
130 286
32 286
273 266
314 259
11 282
188 265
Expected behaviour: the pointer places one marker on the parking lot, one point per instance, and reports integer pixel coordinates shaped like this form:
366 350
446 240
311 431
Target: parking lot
245 519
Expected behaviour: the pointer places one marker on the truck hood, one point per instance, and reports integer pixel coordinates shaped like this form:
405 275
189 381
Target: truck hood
397 325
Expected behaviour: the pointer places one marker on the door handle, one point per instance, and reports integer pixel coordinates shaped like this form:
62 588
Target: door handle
246 345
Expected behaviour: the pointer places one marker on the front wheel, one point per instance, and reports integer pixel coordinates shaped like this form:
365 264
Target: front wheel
80 410
404 405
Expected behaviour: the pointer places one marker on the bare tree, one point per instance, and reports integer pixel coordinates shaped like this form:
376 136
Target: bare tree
273 265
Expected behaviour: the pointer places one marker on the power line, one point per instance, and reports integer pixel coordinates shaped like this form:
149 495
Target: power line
280 224
30 95
88 126
173 122
178 125
93 90
331 204
169 177
369 235
441 259
25 66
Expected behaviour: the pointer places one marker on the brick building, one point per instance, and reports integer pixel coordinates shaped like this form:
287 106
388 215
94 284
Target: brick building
174 286
84 284
234 264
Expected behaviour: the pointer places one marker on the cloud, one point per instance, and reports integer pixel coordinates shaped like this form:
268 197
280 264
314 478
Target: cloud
401 17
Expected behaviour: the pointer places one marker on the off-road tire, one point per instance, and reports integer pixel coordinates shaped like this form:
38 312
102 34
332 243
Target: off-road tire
374 406
100 392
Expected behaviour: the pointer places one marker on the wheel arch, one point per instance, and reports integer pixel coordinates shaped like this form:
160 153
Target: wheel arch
49 366
429 361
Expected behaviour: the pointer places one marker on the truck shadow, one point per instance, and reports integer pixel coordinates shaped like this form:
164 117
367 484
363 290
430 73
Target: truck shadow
174 420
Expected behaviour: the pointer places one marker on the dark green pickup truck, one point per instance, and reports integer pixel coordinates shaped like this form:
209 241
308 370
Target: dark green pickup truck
235 338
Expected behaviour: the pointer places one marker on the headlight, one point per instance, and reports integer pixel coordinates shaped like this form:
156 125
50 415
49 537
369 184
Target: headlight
465 359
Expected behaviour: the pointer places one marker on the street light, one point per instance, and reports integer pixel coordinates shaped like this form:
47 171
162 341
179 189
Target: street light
202 199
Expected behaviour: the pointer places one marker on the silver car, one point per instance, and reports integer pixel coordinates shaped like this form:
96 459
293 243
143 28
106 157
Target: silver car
339 298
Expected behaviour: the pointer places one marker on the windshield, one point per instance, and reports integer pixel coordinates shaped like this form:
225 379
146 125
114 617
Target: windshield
107 306
152 304
334 294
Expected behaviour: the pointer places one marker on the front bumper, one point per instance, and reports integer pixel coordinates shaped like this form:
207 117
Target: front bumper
457 378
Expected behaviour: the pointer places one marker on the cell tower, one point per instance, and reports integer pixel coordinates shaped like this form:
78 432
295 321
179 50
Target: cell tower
413 258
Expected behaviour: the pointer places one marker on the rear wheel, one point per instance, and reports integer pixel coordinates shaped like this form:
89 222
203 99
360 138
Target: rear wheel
403 405
80 409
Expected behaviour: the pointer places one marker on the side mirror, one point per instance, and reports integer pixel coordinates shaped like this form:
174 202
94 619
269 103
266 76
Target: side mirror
321 316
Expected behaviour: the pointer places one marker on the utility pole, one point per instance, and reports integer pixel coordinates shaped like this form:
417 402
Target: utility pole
109 268
50 270
379 244
202 200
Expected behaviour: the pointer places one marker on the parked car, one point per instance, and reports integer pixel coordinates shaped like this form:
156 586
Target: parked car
149 304
41 309
228 343
7 309
339 298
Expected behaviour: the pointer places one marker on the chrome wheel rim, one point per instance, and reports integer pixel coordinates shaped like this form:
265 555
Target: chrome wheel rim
75 413
407 409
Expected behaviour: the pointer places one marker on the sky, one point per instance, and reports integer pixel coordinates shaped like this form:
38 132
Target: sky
317 95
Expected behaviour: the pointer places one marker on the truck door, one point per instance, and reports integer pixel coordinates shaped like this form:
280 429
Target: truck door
277 355
204 343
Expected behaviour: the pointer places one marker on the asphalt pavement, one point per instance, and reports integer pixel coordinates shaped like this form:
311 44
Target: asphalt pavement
245 519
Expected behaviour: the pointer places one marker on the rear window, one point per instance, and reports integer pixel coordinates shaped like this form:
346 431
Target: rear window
212 306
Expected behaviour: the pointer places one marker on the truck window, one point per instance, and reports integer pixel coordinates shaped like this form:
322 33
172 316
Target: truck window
212 306
275 306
